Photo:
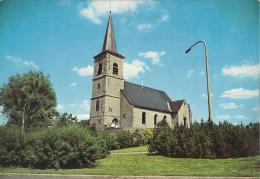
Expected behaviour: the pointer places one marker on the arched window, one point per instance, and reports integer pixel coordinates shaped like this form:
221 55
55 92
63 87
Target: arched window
97 105
115 123
115 69
98 86
143 118
185 121
164 117
99 69
155 119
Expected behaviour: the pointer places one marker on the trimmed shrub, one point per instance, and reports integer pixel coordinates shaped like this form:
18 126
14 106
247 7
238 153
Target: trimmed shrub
124 139
65 147
206 140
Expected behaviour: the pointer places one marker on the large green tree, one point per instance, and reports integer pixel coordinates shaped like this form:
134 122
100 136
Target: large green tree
28 100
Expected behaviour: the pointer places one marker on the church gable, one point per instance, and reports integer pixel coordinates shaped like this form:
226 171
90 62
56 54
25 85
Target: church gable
181 112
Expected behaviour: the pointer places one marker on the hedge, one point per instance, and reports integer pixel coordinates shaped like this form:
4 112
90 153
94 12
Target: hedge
206 140
64 147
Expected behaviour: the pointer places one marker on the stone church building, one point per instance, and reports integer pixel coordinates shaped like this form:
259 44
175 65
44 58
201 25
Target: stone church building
116 103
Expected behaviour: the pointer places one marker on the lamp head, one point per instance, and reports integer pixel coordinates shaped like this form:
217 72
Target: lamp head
188 50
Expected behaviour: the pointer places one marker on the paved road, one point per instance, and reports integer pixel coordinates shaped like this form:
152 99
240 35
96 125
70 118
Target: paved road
57 176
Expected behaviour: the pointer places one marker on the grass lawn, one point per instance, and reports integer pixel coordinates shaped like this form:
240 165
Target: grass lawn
131 149
143 164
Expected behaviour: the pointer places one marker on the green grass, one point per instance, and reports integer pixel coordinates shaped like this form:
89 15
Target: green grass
142 164
131 149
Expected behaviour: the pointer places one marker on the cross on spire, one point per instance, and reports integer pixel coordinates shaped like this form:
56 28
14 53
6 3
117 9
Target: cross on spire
110 7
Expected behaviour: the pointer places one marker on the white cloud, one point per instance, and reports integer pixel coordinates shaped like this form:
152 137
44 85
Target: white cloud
84 71
205 95
144 27
223 117
230 105
154 56
164 17
242 71
240 93
241 117
73 84
22 61
85 104
95 10
81 117
133 69
190 73
60 107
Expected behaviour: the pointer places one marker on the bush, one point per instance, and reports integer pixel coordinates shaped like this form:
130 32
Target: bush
124 139
108 140
66 147
147 136
206 140
10 146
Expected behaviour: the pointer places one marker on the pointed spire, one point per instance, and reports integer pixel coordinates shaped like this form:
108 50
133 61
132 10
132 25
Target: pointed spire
109 41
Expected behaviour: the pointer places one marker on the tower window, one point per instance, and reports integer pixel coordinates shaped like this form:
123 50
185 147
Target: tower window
115 69
155 119
143 118
98 86
97 105
99 69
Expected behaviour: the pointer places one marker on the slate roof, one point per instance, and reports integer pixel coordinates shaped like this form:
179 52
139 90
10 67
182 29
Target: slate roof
109 40
176 105
109 44
146 97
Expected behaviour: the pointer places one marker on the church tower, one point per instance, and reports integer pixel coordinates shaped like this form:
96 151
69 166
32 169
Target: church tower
107 82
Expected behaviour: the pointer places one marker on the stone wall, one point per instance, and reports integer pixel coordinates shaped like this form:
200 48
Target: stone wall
126 113
106 88
149 123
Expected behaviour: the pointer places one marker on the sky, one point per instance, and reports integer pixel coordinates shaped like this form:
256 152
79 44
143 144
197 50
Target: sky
60 38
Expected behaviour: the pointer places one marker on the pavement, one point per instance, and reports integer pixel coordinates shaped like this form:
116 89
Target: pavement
59 176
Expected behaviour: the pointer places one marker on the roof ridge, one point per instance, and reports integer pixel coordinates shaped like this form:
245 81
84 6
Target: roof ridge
180 100
146 87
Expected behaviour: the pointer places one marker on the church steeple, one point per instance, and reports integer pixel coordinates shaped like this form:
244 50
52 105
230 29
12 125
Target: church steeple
109 40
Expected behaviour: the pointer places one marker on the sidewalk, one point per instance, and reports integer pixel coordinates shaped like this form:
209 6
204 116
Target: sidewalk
59 176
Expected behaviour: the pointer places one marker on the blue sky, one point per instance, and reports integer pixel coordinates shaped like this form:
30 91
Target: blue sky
60 38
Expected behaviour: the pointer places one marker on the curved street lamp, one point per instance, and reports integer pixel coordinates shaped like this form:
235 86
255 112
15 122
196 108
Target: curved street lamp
207 74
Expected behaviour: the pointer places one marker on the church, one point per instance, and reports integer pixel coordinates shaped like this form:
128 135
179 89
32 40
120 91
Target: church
120 104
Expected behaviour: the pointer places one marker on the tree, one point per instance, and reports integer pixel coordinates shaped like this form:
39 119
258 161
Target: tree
28 100
65 119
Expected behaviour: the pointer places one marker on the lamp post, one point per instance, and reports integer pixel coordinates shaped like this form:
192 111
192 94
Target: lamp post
207 73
